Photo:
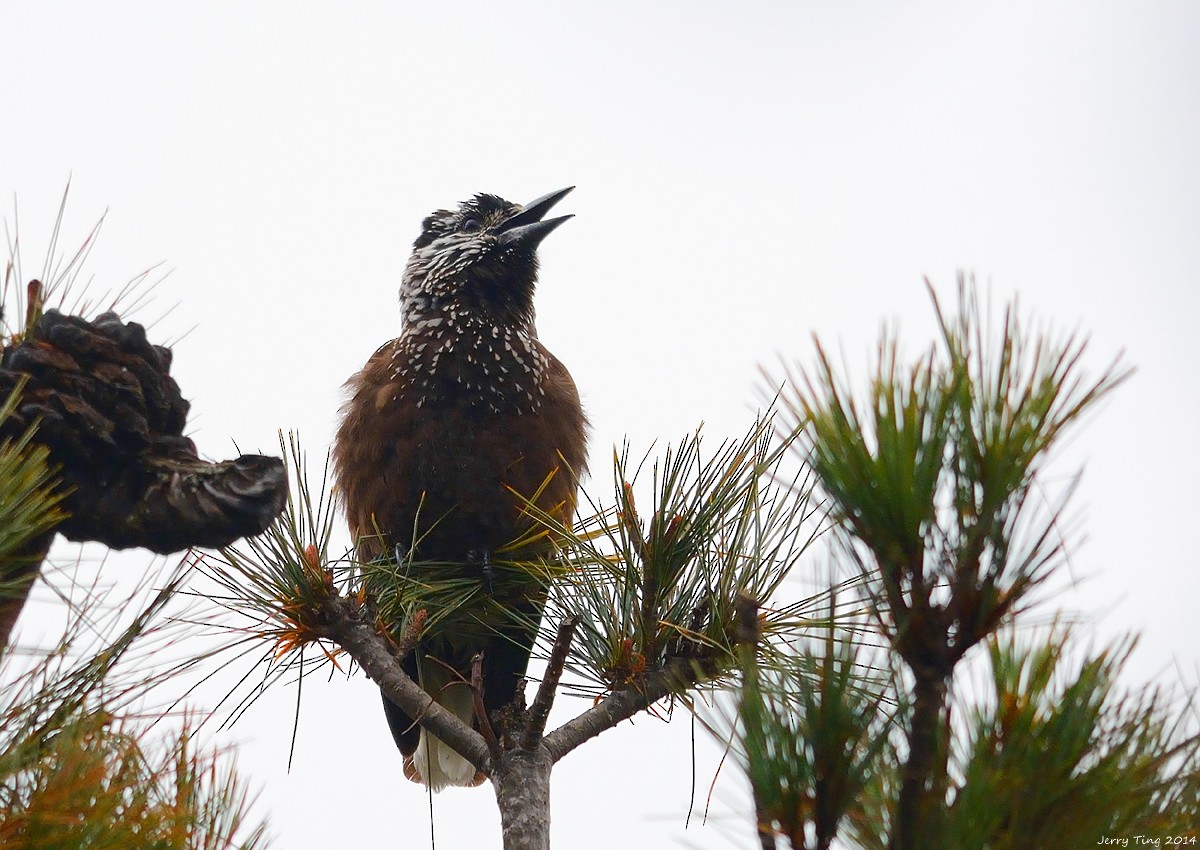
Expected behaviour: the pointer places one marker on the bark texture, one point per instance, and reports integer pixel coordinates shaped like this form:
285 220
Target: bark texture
522 783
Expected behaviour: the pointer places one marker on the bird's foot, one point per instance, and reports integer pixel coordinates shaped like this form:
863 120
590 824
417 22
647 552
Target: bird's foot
483 560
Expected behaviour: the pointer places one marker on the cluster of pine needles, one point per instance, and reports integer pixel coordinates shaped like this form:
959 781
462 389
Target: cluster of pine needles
84 760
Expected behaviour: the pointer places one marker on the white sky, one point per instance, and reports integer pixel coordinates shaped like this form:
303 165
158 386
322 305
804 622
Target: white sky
747 175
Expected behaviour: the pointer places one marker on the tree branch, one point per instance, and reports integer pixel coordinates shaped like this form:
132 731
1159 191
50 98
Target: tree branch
17 575
748 635
678 675
341 620
539 712
481 716
919 799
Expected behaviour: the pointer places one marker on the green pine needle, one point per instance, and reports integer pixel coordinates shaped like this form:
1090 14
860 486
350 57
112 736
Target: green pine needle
657 585
929 477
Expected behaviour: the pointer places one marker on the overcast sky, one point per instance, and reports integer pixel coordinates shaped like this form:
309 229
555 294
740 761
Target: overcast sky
748 174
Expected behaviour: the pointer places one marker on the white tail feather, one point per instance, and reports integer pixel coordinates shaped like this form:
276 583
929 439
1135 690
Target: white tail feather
436 764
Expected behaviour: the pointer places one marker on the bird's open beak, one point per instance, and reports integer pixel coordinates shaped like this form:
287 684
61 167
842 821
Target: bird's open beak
527 226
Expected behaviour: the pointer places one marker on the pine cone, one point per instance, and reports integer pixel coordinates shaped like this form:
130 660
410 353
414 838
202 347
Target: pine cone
112 417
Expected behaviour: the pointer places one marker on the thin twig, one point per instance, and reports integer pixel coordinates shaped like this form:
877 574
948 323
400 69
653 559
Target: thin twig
481 715
535 725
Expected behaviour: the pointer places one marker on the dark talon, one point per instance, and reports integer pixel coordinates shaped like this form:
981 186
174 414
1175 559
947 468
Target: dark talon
484 561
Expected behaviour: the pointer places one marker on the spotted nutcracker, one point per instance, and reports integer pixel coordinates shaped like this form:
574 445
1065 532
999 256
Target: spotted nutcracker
448 432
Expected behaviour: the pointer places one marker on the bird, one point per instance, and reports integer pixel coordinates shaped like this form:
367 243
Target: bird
448 435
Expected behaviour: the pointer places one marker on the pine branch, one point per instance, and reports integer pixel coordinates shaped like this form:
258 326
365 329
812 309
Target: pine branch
751 707
623 704
29 512
344 621
76 744
539 712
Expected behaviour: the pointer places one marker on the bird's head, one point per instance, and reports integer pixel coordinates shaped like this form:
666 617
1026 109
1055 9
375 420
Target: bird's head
480 259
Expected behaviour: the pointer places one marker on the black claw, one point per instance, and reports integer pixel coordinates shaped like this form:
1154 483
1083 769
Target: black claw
483 560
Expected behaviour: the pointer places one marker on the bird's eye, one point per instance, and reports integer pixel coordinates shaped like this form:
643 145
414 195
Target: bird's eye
470 225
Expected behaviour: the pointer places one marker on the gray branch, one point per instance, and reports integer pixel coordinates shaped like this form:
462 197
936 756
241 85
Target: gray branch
676 677
535 725
343 623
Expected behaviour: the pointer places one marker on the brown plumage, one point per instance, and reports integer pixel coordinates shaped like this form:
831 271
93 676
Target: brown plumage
448 429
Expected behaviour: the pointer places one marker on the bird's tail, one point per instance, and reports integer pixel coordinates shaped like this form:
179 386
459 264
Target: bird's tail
434 763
